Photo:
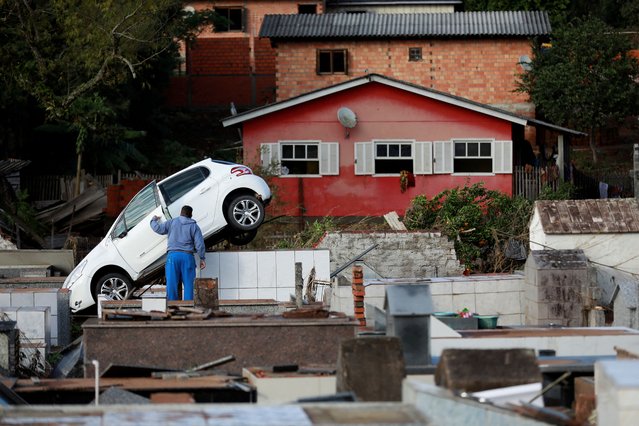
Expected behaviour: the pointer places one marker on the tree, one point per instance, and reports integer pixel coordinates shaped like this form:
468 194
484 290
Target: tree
586 78
557 9
71 54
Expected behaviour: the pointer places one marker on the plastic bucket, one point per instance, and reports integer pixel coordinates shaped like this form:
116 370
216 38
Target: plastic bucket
487 321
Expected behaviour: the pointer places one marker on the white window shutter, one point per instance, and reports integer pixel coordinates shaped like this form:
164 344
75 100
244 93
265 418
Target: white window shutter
329 158
423 158
443 157
502 157
270 156
364 159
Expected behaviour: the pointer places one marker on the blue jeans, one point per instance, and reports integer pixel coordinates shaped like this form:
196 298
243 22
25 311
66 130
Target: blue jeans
180 268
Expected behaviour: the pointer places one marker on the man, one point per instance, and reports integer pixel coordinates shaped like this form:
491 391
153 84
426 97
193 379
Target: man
185 238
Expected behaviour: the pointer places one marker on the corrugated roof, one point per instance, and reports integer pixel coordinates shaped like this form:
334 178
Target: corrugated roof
341 3
620 215
373 25
12 165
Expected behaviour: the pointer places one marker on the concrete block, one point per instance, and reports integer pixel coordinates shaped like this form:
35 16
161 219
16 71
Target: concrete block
22 297
442 302
9 345
463 287
10 313
441 287
457 369
34 324
47 297
372 368
617 390
5 299
461 301
497 303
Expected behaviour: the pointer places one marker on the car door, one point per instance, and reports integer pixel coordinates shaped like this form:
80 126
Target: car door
132 235
194 187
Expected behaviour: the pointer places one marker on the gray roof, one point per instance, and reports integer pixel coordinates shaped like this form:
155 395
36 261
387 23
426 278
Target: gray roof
341 3
619 215
373 25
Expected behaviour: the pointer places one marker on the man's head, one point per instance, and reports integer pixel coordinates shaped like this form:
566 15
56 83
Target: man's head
187 211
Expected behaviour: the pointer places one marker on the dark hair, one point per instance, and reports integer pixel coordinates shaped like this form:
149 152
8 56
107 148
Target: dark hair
187 211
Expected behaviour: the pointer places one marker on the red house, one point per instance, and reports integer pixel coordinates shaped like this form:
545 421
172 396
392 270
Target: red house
340 150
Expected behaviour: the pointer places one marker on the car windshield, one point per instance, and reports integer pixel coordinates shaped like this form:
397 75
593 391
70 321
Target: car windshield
140 206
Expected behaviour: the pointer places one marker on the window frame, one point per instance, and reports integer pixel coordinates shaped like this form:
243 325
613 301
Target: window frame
186 181
480 141
226 15
332 52
415 58
388 157
304 9
305 143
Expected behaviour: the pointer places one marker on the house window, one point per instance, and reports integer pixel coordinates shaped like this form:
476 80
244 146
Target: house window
307 9
473 157
414 54
300 159
332 61
232 19
393 157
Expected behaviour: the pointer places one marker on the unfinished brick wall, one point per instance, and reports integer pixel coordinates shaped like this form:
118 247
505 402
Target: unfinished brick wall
481 70
237 66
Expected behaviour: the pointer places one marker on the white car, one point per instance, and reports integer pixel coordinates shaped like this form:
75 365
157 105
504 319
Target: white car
228 202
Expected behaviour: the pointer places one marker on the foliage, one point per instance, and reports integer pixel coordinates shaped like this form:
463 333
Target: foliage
76 61
564 191
557 9
586 79
309 236
480 221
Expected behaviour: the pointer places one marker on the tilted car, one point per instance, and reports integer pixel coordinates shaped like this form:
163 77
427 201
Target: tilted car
228 202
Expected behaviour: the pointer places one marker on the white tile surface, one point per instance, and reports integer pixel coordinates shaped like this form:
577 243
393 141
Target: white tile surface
266 269
248 293
285 261
229 272
284 293
5 299
229 294
22 298
267 293
247 270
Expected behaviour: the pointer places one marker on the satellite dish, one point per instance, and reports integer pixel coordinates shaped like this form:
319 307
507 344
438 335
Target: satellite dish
347 117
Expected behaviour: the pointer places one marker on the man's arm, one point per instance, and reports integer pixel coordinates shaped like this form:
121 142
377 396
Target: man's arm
199 246
160 228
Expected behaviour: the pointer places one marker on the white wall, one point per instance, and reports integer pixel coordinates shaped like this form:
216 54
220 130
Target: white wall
484 294
263 274
612 250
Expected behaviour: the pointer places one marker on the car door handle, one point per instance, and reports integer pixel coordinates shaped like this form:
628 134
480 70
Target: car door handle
203 190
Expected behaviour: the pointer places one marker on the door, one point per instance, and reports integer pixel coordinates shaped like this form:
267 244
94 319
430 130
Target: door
132 235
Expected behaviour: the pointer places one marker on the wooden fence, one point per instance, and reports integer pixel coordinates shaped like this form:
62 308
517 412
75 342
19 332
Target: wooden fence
528 182
60 187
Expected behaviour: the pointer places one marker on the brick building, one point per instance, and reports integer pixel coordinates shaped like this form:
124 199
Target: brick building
231 63
475 55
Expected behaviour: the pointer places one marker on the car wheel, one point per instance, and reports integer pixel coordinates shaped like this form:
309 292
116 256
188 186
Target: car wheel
114 286
242 238
245 213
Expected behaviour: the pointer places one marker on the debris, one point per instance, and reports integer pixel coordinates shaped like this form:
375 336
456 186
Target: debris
313 312
392 218
215 363
115 395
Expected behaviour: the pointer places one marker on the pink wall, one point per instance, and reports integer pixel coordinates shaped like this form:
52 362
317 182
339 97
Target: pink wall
383 113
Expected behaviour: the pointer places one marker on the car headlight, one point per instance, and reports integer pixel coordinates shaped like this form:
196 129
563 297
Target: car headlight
75 274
